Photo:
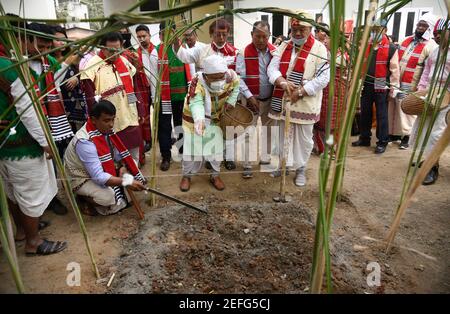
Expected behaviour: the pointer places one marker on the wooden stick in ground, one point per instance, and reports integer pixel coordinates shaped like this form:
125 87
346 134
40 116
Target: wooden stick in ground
136 205
287 125
431 160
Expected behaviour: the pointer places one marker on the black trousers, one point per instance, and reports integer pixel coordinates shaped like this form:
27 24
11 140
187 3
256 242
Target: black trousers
368 97
165 128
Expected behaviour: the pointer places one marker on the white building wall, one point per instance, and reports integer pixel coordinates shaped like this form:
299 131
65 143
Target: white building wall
111 6
243 22
80 11
33 9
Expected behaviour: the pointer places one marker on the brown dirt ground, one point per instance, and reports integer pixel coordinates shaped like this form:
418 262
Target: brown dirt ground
248 244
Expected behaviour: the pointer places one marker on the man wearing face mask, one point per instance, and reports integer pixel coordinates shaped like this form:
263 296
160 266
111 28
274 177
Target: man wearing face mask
219 31
412 52
255 87
109 76
175 79
299 71
441 28
382 72
209 94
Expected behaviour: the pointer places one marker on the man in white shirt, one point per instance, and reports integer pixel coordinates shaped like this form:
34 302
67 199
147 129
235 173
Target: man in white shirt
191 40
219 31
255 87
299 71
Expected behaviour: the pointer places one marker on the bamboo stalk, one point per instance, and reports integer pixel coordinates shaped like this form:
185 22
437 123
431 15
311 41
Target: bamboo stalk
354 90
435 153
25 76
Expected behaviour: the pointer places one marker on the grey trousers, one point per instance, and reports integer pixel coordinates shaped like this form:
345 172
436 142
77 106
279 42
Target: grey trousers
192 166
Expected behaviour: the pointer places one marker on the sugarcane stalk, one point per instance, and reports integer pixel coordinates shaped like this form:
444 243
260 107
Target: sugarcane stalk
429 162
319 265
25 76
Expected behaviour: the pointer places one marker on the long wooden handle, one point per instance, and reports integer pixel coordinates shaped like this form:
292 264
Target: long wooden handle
136 205
287 124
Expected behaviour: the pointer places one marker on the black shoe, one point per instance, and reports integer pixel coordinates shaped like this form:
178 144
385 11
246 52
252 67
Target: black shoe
380 149
404 144
394 138
57 207
229 165
361 142
165 165
147 146
431 176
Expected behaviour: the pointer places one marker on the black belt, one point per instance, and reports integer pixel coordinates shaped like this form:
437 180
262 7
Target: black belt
265 98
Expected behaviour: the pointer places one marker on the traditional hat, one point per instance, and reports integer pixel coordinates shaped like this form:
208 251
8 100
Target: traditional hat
304 14
440 25
430 19
214 64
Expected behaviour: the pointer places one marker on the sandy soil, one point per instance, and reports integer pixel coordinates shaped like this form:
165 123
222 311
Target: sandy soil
247 243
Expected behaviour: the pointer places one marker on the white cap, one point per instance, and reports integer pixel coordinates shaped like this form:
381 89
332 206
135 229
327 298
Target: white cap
214 64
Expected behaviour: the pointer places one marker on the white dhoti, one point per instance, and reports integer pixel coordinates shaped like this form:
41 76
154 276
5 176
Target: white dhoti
300 144
400 123
30 183
436 132
263 138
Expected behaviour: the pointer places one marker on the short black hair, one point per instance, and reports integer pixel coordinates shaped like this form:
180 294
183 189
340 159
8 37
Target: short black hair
41 28
17 23
111 37
219 24
142 27
261 24
103 106
163 24
325 28
59 29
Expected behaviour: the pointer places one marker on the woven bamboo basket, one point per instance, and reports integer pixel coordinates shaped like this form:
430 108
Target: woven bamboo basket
414 103
237 116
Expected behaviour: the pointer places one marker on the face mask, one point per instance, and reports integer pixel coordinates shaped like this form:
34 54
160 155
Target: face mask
219 47
298 41
217 86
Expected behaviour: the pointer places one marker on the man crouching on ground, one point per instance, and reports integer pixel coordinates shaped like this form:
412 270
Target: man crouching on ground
96 160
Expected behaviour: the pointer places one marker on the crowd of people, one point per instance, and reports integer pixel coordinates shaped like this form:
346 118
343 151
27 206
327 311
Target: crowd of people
98 106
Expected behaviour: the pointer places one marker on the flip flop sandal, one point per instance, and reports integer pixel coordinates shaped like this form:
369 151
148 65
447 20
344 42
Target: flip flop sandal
48 247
